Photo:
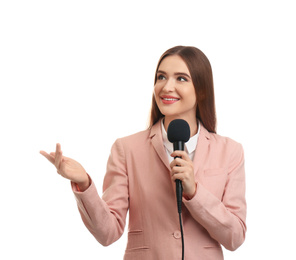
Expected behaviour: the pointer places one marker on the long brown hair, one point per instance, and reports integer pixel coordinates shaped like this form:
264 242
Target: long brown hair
202 78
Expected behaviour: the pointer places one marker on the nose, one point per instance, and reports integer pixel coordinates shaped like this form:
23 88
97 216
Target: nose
169 85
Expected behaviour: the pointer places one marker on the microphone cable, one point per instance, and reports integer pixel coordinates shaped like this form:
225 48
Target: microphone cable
179 204
182 235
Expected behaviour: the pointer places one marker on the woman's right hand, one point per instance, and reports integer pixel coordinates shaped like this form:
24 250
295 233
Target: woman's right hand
68 168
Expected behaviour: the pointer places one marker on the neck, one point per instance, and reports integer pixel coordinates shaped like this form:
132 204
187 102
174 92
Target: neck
193 124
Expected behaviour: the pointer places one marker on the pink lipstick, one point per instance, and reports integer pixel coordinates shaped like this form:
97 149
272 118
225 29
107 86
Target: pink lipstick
169 99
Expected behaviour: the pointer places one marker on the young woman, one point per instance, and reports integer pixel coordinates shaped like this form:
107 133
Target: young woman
141 172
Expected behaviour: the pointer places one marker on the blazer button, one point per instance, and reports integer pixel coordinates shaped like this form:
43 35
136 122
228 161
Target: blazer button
177 234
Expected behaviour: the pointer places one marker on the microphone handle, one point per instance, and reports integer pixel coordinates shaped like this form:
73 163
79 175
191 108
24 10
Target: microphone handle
179 191
179 146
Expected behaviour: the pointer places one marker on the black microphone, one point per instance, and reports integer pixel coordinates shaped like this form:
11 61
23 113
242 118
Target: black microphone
178 134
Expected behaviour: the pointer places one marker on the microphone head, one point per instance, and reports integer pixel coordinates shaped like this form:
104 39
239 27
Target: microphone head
178 130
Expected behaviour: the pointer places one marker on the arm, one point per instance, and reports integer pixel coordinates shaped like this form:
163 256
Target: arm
224 220
105 218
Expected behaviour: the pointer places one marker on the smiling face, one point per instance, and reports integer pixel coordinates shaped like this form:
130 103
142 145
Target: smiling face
174 90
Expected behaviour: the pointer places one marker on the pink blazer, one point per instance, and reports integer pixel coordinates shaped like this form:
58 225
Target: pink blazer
138 179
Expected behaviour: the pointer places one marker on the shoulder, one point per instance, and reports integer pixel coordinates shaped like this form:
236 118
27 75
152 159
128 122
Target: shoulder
224 150
133 141
136 137
217 139
223 140
139 142
223 144
142 137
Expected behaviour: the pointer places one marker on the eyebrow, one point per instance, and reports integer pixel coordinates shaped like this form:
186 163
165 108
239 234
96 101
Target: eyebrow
177 73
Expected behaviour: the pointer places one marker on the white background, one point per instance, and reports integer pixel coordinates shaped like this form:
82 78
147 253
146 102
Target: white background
81 73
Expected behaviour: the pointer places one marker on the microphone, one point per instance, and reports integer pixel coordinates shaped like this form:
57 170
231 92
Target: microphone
178 134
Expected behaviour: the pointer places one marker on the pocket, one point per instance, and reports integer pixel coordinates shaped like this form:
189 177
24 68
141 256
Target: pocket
212 252
216 245
136 241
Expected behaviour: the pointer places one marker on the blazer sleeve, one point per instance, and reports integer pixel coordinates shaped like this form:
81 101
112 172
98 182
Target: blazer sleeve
224 220
105 217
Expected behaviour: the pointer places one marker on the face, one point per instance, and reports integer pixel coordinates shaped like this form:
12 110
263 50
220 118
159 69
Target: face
174 90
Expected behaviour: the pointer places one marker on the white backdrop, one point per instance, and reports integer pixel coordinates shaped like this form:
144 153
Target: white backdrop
81 73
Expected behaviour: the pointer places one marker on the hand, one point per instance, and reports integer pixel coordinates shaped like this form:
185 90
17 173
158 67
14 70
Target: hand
68 168
182 169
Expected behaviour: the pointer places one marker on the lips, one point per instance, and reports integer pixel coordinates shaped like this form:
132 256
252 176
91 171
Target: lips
169 99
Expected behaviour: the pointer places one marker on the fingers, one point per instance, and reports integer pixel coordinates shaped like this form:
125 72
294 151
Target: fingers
181 154
178 172
178 176
58 156
181 162
55 157
178 162
48 156
182 168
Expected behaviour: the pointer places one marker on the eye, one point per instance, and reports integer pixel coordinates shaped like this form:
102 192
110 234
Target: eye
160 77
181 79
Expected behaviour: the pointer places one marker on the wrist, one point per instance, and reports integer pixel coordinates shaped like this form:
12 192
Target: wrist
82 186
189 196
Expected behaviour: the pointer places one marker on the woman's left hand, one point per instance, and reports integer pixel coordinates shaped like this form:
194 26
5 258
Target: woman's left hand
182 169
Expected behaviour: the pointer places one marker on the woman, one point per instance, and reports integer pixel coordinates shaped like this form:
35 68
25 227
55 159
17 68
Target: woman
141 171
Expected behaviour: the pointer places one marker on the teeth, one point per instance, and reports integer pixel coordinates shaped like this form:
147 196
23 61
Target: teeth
170 99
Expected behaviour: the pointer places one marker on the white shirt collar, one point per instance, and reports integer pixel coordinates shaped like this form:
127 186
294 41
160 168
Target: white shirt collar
189 146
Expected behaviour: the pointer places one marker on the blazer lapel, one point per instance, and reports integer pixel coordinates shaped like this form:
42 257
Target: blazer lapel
157 143
201 149
200 152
